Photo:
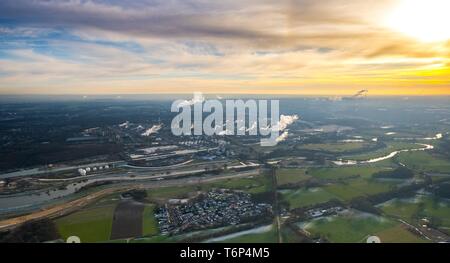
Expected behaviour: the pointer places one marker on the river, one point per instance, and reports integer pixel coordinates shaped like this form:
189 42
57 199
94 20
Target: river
382 158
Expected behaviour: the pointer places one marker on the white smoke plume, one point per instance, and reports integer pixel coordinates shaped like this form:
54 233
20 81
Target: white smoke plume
198 98
124 125
283 136
152 130
286 120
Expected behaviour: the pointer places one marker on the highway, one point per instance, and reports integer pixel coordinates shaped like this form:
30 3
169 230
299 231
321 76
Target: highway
140 174
59 210
62 209
41 171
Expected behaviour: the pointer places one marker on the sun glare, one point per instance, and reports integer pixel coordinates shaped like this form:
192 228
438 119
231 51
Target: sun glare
425 20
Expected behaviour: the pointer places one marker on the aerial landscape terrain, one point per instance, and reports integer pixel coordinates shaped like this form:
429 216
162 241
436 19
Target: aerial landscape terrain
198 122
112 171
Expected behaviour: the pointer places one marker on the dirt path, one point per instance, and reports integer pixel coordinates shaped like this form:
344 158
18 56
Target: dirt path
59 210
62 209
275 204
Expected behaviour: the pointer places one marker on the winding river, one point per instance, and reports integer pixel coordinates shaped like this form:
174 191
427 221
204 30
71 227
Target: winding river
382 158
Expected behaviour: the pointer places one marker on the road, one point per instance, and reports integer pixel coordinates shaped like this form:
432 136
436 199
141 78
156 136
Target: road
276 207
428 233
59 210
62 209
41 171
141 175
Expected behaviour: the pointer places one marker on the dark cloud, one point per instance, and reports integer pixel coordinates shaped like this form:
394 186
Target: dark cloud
260 21
82 42
151 20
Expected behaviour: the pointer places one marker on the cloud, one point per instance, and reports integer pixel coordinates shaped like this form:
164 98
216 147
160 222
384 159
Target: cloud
210 46
263 23
147 19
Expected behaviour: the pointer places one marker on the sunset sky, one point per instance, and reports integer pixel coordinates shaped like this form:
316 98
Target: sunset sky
308 47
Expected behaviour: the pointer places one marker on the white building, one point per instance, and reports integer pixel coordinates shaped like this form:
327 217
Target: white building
82 172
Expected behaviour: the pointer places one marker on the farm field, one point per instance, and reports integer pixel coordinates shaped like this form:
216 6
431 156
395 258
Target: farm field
345 172
95 223
348 183
350 226
336 147
380 133
425 162
170 192
256 184
90 225
306 196
418 207
127 220
359 187
149 223
291 176
399 234
289 235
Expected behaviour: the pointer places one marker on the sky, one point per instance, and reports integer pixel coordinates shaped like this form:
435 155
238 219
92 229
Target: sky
305 47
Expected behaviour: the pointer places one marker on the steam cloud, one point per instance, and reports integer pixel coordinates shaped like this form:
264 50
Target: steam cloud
152 130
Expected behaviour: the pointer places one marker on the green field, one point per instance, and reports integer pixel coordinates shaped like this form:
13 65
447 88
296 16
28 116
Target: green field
256 184
290 236
413 209
354 181
344 172
347 228
306 197
424 161
405 209
359 187
253 185
336 147
90 225
267 149
291 176
399 234
347 183
149 223
380 133
171 192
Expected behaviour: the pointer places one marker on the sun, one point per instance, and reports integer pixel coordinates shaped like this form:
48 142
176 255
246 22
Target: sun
425 20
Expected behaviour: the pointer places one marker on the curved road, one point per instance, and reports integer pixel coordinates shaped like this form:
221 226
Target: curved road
62 209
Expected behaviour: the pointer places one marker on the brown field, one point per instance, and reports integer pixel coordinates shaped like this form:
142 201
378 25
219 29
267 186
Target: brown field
127 220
